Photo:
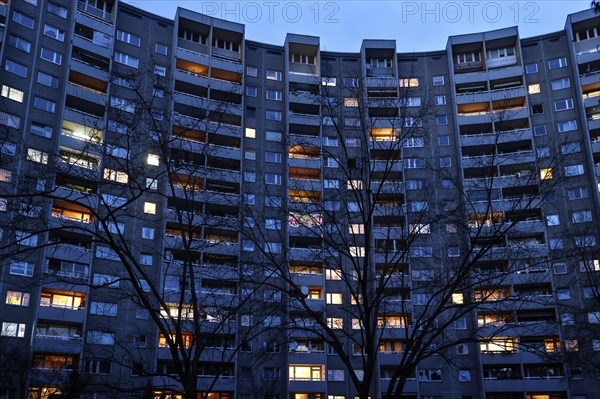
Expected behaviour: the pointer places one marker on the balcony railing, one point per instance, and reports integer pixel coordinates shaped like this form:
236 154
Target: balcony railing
87 8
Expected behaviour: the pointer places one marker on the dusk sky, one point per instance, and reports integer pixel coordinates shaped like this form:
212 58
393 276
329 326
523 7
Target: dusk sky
415 25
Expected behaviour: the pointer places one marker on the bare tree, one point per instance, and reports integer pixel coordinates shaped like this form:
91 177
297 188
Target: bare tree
396 304
173 177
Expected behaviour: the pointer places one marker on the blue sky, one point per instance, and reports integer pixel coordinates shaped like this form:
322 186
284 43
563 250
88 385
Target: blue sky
415 25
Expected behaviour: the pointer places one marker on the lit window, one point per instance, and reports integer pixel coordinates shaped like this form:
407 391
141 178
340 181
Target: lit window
116 176
534 88
457 298
16 330
153 160
250 133
17 298
150 208
336 323
409 82
37 156
272 75
546 173
334 298
12 93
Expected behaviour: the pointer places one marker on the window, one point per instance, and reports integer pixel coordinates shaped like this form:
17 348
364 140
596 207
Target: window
274 157
559 84
55 9
430 375
350 102
116 176
445 162
574 170
146 259
567 319
570 148
160 70
531 68
129 38
150 208
328 81
409 82
247 246
563 293
543 152
17 298
534 89
103 309
273 95
438 80
148 233
15 330
54 33
272 136
51 56
546 173
443 141
272 178
161 49
335 375
577 193
350 82
251 71
336 323
562 105
21 268
464 375
44 105
250 176
97 367
441 120
8 148
12 93
414 163
16 68
539 130
566 126
440 100
272 75
249 199
273 224
330 141
273 201
537 109
585 241
23 19
100 337
589 266
557 63
453 251
122 104
126 59
37 156
251 91
153 160
19 43
552 220
273 115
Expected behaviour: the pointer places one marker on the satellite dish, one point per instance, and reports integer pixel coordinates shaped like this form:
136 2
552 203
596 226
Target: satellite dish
293 345
304 291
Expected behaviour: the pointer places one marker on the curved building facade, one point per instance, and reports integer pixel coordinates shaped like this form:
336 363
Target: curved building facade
504 130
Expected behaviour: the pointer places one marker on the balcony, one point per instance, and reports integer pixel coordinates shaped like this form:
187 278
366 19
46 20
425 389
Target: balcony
304 119
305 254
495 138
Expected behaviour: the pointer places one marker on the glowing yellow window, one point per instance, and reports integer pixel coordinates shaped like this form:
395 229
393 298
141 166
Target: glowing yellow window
534 89
546 173
457 298
153 159
150 208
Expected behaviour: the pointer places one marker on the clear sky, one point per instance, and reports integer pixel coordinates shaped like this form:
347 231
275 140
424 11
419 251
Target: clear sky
341 25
